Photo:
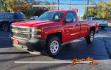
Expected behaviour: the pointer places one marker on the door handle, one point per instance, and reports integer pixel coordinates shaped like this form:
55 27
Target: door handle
76 24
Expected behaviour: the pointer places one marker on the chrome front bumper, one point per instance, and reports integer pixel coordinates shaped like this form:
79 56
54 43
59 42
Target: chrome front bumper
28 45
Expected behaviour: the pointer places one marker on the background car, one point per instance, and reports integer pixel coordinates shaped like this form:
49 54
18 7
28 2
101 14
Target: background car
102 22
6 18
109 23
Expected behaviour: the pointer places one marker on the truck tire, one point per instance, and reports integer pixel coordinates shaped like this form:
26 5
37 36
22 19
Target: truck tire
90 37
5 27
53 46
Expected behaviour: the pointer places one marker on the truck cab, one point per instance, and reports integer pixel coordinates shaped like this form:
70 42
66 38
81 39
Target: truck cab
50 31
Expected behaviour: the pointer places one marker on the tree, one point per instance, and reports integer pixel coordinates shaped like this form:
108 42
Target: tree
20 5
14 5
103 10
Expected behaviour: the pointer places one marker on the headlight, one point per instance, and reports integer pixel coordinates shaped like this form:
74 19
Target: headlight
35 33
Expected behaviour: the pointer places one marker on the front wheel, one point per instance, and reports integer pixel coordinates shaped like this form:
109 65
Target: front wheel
5 27
53 46
90 37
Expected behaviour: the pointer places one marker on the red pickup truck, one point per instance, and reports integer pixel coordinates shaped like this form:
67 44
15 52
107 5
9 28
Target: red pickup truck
51 30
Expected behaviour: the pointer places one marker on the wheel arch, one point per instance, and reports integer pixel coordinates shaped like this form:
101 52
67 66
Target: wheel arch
93 28
4 22
58 34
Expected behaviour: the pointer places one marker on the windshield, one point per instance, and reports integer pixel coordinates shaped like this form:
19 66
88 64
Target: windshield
19 15
52 16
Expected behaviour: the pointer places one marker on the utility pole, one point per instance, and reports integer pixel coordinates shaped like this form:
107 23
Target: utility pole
58 4
70 5
87 6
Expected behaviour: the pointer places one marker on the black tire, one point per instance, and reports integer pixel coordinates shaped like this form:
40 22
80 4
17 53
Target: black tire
50 49
90 37
5 27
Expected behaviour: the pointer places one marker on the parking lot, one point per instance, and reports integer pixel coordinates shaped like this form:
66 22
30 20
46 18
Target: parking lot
99 50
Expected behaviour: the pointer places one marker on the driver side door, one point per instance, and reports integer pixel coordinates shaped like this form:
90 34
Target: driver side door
71 27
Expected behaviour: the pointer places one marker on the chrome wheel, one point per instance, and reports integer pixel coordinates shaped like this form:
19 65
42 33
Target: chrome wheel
54 47
92 36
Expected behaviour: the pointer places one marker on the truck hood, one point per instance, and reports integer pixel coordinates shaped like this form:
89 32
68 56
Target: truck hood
31 23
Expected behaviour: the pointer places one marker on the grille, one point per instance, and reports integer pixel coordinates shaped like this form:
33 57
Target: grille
21 32
22 29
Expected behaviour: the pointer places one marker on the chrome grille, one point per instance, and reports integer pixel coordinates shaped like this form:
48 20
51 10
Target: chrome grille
21 32
23 29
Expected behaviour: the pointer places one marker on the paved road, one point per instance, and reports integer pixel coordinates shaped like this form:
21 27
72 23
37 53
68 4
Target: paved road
100 50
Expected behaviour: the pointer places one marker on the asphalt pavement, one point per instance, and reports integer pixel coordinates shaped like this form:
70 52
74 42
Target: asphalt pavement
100 50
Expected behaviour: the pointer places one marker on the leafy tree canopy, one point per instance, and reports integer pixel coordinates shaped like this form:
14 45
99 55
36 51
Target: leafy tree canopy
14 5
102 10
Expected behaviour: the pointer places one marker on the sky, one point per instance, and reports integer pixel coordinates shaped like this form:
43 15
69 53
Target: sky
81 8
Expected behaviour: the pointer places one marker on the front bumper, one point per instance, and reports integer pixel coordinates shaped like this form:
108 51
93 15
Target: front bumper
28 45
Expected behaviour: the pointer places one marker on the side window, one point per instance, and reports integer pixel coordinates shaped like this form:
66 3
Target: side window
70 17
58 16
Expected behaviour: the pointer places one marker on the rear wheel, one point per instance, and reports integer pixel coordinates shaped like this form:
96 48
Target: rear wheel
53 46
90 37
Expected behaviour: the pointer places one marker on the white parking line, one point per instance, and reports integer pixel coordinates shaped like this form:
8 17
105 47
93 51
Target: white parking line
54 62
62 61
